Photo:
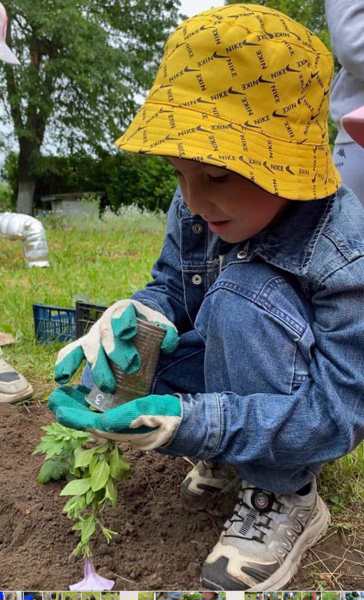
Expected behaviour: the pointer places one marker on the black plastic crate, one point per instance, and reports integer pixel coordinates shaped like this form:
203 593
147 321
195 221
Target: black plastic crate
86 315
54 323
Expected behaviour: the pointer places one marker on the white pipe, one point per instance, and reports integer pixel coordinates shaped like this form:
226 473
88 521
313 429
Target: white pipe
15 226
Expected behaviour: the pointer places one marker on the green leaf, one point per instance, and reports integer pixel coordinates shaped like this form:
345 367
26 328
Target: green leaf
99 476
88 527
102 448
49 447
119 468
93 463
90 496
111 492
77 487
83 457
74 506
52 470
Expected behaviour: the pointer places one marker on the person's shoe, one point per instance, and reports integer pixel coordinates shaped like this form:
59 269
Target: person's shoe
263 542
13 386
207 479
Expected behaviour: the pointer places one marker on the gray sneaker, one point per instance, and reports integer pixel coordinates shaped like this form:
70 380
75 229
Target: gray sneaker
13 386
207 479
263 542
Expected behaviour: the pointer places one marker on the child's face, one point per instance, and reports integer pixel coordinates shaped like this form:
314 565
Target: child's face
234 207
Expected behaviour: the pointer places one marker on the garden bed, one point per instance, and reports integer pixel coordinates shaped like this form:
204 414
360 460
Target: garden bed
161 545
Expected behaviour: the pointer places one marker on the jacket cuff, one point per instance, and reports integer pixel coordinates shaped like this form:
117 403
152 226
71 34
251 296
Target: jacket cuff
201 429
147 302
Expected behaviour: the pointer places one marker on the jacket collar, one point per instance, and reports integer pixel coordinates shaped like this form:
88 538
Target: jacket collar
290 242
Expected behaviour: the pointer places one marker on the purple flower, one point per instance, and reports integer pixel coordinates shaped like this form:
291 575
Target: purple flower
92 582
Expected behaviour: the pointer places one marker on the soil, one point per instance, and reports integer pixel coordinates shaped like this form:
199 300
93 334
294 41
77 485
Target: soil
161 544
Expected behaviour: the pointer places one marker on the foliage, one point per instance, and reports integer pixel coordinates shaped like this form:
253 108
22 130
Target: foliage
122 179
5 197
343 480
83 65
145 596
59 445
96 470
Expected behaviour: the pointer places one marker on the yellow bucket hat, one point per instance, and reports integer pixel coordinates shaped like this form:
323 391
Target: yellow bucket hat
246 88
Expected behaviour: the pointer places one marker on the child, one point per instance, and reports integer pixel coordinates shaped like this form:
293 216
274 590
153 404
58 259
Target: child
262 274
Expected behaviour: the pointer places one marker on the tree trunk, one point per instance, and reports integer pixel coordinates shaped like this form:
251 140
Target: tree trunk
24 202
28 155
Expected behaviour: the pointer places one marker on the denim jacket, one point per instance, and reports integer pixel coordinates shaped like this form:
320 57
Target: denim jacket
318 246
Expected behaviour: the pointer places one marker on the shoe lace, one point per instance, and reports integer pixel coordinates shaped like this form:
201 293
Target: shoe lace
251 518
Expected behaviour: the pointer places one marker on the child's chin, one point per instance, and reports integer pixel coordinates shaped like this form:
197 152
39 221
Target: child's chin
232 239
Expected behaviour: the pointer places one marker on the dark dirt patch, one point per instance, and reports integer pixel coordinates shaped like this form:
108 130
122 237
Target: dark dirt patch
161 545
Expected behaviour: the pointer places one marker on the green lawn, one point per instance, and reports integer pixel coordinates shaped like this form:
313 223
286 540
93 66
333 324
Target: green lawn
103 261
93 260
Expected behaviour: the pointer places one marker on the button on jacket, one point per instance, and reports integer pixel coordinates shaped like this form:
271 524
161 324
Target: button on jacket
281 320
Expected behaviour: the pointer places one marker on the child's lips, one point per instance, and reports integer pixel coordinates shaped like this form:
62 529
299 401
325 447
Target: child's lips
217 226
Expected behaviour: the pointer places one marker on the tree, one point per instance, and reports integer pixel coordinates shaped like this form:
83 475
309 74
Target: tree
82 64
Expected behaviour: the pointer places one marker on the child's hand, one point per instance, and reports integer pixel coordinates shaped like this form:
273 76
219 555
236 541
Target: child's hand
147 422
111 338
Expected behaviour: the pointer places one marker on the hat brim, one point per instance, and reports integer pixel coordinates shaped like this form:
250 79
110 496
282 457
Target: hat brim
7 55
291 170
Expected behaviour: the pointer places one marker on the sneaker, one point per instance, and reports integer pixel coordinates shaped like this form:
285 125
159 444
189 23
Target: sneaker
13 386
207 479
263 542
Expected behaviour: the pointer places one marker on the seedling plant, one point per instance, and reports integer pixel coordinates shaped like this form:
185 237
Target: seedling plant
92 470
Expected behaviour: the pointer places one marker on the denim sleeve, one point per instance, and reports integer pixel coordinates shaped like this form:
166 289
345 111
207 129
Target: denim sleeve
345 20
321 420
165 292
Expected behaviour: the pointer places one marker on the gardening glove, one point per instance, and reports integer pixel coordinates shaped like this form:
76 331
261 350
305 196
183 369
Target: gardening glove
111 337
145 423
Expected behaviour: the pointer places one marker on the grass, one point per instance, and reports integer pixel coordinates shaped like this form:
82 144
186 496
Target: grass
103 261
93 260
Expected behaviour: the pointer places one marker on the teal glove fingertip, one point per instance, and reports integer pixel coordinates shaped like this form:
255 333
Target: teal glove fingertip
69 364
78 419
170 340
125 326
102 373
126 356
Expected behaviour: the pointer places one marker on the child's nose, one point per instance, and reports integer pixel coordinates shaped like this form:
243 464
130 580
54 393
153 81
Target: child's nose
197 199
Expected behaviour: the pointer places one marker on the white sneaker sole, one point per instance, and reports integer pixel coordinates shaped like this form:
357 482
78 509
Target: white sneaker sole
24 394
315 530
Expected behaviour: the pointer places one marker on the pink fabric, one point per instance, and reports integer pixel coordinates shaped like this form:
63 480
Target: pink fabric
5 53
353 123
